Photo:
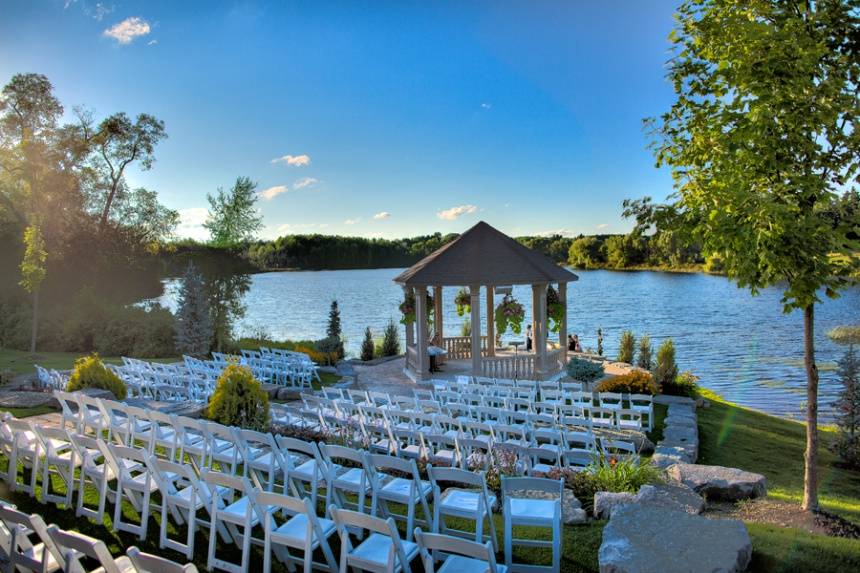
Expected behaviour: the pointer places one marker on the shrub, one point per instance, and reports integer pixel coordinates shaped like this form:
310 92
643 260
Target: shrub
623 474
584 370
90 372
644 360
683 385
847 445
666 370
845 334
634 382
627 347
466 328
239 400
391 340
367 345
327 351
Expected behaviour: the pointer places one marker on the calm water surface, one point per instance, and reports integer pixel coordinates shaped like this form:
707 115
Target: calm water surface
741 346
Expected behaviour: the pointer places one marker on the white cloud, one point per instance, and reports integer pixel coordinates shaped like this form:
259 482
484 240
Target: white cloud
99 11
272 192
191 223
304 182
126 31
352 221
152 42
486 105
455 212
292 229
602 225
294 160
562 232
382 215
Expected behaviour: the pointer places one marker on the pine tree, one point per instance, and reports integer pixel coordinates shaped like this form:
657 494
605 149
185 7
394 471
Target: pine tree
644 360
600 341
193 323
666 370
333 332
367 345
391 340
848 409
627 347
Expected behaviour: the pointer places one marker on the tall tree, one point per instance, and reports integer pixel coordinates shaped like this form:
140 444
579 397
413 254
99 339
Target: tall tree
119 143
233 217
33 272
761 140
193 323
333 331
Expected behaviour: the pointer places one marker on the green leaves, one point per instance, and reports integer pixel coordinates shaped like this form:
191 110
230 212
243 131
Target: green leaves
33 269
760 136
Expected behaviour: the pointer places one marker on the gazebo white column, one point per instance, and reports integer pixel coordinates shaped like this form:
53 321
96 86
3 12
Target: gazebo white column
562 328
410 331
491 323
475 306
421 320
539 311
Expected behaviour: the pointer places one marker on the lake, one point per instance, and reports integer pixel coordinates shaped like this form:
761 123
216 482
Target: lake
741 346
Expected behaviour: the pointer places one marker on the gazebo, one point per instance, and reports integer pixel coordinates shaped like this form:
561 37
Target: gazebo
485 257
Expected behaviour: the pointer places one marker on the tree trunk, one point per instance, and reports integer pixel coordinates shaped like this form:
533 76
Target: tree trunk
810 474
35 326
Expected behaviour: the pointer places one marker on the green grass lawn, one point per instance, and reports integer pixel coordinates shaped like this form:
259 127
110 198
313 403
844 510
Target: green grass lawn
21 362
737 437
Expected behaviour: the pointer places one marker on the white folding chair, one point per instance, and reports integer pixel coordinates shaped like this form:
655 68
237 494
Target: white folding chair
147 563
91 414
24 448
232 506
345 480
71 412
95 471
263 460
460 555
133 482
302 531
39 554
76 547
381 552
60 459
472 502
222 448
528 512
402 485
644 404
312 473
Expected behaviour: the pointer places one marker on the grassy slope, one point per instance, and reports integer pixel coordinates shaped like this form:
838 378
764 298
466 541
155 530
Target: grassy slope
750 440
20 362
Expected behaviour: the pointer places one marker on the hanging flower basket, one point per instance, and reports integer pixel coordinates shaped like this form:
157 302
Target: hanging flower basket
463 301
408 309
510 313
554 309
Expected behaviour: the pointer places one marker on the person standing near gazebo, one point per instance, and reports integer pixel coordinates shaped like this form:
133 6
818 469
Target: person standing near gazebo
529 338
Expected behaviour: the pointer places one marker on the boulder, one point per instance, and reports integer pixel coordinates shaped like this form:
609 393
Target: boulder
718 482
646 539
681 435
664 461
685 421
680 453
571 508
671 496
289 394
605 502
638 439
26 399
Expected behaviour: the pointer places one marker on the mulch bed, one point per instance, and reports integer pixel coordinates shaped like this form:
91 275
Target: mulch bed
784 514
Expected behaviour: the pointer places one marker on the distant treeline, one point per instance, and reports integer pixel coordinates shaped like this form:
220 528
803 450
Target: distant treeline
332 252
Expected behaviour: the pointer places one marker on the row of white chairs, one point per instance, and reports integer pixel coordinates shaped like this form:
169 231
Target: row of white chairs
512 411
250 457
27 543
294 370
163 382
51 379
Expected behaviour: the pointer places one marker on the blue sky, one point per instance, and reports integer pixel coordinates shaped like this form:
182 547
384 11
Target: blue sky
390 118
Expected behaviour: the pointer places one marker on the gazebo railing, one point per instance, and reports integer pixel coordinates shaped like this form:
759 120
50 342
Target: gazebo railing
460 347
522 366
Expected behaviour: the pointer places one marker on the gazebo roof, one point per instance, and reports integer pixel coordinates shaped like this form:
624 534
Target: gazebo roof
483 255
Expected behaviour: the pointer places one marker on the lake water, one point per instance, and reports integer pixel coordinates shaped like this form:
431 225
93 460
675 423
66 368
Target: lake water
743 347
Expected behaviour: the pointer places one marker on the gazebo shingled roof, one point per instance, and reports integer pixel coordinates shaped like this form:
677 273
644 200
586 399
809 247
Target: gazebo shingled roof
484 255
